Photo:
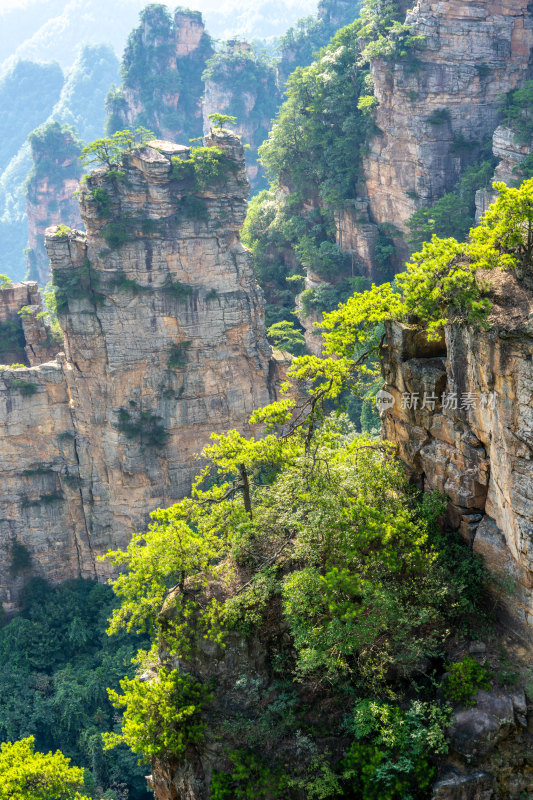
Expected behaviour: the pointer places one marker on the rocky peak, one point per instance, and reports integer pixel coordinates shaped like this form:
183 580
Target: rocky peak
189 31
164 343
162 67
242 85
50 191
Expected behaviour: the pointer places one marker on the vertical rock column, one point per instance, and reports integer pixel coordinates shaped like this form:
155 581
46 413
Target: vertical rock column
164 330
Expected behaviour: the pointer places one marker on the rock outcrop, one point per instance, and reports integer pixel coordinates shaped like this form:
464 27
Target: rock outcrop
243 85
440 96
511 153
437 104
162 75
164 343
50 198
462 416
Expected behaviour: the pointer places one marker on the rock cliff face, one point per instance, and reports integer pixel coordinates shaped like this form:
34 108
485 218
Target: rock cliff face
50 193
511 153
473 52
463 421
164 343
24 338
240 84
436 106
162 75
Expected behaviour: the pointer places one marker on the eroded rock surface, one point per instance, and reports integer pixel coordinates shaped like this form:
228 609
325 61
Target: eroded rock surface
463 421
437 104
164 343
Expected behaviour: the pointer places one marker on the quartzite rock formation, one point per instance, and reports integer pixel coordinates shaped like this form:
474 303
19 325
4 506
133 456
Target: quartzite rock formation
50 193
436 105
510 152
162 67
164 343
244 86
472 438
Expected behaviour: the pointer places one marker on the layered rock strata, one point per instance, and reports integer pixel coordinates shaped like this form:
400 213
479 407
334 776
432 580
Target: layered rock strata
164 343
25 338
162 68
510 152
461 413
437 104
50 193
441 100
241 85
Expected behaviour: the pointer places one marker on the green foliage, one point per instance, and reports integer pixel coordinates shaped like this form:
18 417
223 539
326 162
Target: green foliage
122 283
5 282
504 238
219 120
390 757
102 200
205 168
168 554
12 340
109 151
20 558
162 716
284 240
325 297
49 314
285 336
116 233
318 546
143 426
454 213
299 44
194 208
357 603
75 284
517 112
463 680
326 258
327 104
523 170
27 775
176 289
248 778
26 388
56 665
383 33
62 231
321 116
442 283
178 355
439 116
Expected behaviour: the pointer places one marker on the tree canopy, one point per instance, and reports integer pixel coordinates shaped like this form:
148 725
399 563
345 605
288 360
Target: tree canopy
27 775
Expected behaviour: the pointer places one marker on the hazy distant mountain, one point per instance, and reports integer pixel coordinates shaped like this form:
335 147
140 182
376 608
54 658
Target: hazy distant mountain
45 30
30 94
82 100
